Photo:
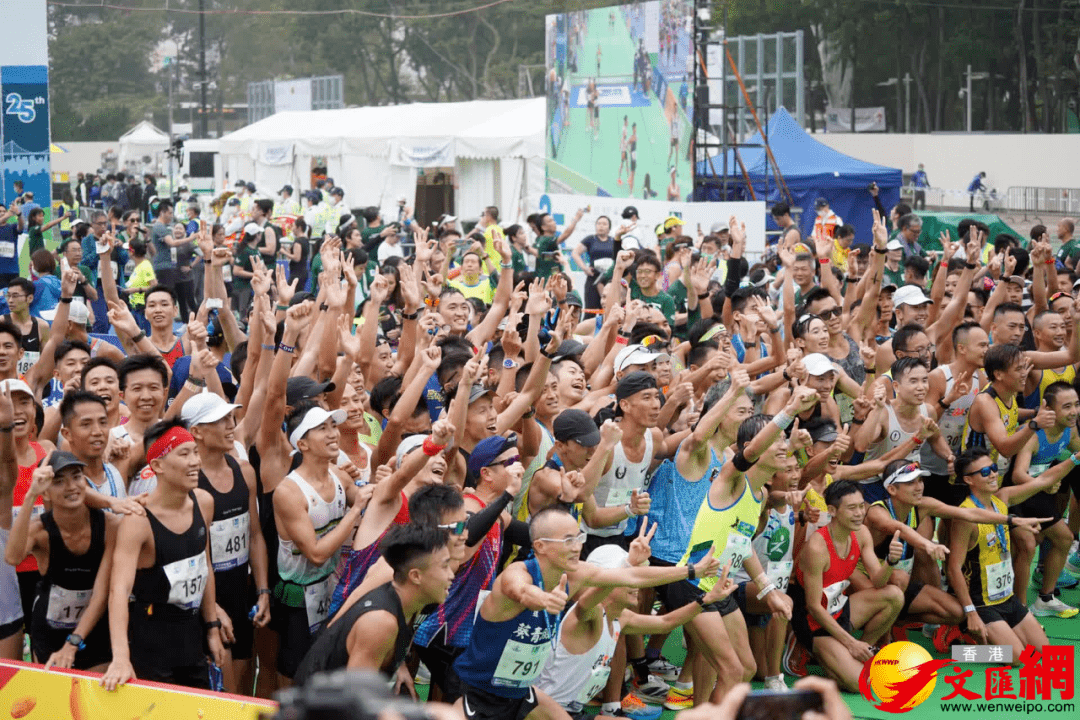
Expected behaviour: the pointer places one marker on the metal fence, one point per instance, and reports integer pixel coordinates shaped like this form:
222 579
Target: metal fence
1058 201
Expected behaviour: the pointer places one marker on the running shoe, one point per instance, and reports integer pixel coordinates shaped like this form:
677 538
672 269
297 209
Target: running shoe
423 675
1073 563
796 658
680 699
945 636
654 691
1065 581
776 683
632 707
664 670
1053 608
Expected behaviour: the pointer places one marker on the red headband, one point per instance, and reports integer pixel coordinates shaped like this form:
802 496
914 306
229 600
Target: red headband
168 442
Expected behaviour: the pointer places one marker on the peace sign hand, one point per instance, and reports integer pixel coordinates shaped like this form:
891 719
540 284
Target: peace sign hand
640 548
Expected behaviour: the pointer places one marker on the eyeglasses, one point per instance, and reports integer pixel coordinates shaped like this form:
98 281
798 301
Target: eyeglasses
455 528
507 462
576 540
15 296
985 472
835 312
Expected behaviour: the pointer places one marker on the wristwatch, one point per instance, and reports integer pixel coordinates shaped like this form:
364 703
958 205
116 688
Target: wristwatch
1033 424
509 364
76 640
969 609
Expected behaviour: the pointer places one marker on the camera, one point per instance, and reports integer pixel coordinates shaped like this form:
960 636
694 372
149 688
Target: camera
343 695
871 187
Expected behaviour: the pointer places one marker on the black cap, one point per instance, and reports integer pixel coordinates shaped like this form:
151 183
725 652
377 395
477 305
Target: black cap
821 430
820 203
300 297
240 183
60 460
303 388
634 383
629 211
287 188
338 191
576 425
574 300
568 349
250 186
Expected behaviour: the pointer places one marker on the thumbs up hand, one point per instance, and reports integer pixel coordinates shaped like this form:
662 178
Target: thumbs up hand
1046 417
896 548
555 601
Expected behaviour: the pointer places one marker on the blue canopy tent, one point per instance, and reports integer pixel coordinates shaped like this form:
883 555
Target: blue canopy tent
811 170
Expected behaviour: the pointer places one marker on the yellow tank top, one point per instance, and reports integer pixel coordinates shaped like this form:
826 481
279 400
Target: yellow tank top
814 499
1053 376
988 566
730 529
1010 415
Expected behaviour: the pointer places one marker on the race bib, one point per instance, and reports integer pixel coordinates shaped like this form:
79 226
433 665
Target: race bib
597 680
999 580
36 510
906 564
229 542
618 496
736 550
520 664
66 607
835 597
779 573
115 270
7 250
187 580
317 603
226 273
173 254
27 361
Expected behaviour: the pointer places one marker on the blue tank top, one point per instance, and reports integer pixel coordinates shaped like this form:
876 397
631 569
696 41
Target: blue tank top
505 658
675 503
1049 453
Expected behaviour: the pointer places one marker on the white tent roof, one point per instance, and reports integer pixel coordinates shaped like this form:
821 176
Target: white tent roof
478 129
145 134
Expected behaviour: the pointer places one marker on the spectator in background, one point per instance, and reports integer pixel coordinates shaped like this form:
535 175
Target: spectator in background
67 211
920 182
36 227
975 186
142 278
910 229
46 283
11 225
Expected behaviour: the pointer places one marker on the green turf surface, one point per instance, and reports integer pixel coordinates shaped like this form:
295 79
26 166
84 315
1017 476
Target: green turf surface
594 153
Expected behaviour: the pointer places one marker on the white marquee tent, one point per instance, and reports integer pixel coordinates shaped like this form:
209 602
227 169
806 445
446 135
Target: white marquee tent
141 141
496 148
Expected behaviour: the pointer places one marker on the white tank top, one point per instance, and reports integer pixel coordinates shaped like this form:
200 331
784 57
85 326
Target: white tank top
113 486
546 443
573 680
619 482
951 425
293 565
894 436
10 605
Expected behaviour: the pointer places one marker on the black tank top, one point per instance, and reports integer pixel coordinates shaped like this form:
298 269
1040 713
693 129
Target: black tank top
66 569
31 341
179 555
330 650
229 508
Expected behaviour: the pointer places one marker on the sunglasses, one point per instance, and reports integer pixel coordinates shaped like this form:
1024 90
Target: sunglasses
985 472
455 528
835 312
507 462
652 340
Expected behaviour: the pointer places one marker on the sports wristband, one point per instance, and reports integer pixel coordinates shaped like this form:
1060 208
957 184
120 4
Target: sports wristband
821 261
969 609
548 355
262 591
66 301
691 573
430 448
783 420
507 266
629 511
323 307
410 316
286 348
268 346
765 591
281 307
212 624
620 340
197 382
139 338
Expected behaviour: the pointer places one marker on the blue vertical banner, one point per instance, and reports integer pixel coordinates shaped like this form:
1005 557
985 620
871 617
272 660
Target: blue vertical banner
24 131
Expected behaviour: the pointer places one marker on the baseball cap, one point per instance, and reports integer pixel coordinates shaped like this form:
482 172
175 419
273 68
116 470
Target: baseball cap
578 426
629 211
303 388
1015 280
910 295
253 229
233 201
313 418
287 188
487 450
718 227
204 408
820 203
610 557
60 460
759 277
407 445
894 244
338 191
14 386
476 392
822 430
817 364
250 186
78 313
568 349
634 383
574 300
636 355
906 474
240 183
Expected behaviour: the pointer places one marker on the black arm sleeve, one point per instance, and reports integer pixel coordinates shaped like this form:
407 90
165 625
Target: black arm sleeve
881 208
517 533
736 271
479 523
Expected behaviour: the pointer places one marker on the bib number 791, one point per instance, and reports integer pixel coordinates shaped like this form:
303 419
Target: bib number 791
24 110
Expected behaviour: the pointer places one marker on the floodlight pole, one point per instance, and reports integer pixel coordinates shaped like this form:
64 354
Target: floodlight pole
204 121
